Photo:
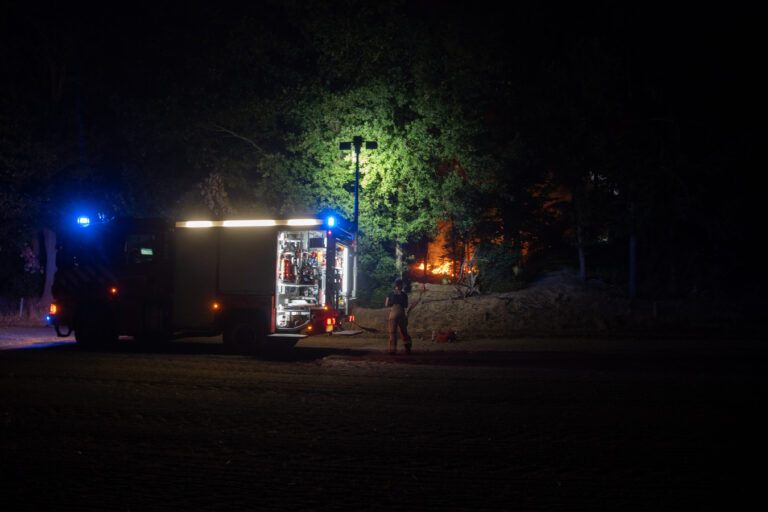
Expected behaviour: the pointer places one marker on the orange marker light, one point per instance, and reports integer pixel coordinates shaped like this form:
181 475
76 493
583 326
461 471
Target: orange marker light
52 309
113 290
216 306
351 318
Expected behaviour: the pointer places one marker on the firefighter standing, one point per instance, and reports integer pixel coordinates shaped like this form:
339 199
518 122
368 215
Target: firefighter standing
397 302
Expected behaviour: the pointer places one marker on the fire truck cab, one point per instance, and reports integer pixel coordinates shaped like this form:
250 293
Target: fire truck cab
243 279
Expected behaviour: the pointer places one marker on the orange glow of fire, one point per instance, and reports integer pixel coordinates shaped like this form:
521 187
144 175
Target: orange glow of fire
446 268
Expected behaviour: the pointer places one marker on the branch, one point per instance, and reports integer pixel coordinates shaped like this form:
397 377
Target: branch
236 135
423 289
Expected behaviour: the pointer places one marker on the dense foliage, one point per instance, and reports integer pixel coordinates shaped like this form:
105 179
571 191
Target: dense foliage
549 128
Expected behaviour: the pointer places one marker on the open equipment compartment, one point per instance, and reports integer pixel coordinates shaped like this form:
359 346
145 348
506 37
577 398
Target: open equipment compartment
300 276
306 290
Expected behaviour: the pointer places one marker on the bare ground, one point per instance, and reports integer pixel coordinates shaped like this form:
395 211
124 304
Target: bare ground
495 421
559 304
336 424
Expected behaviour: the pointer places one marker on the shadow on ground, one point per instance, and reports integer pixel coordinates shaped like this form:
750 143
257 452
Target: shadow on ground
652 361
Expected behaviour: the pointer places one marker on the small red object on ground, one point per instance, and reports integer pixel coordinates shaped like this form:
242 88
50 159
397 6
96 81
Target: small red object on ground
443 336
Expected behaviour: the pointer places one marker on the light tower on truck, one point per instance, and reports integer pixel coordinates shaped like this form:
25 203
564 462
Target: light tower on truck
357 144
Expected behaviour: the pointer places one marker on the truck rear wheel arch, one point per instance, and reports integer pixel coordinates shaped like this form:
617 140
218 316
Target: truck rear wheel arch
245 331
95 326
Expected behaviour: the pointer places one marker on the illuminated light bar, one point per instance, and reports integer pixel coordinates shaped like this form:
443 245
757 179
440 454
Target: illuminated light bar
304 222
248 223
197 224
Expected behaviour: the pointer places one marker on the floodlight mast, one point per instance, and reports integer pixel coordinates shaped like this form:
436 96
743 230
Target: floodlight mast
357 143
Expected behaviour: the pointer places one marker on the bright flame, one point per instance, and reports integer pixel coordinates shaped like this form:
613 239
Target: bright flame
438 270
445 268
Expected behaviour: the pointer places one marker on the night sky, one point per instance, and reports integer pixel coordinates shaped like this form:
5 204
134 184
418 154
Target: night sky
704 61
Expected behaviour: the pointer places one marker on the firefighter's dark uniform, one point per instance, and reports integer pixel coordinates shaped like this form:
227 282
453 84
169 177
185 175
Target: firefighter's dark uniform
398 304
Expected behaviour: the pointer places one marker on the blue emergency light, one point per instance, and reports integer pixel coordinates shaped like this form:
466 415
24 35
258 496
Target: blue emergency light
331 221
83 221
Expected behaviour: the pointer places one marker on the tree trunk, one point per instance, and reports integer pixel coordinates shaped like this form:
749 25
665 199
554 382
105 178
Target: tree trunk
632 265
399 257
579 202
49 239
632 251
672 282
582 260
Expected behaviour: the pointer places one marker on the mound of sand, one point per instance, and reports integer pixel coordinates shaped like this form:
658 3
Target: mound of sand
558 303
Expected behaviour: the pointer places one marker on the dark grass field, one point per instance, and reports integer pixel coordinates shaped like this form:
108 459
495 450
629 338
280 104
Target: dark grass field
325 428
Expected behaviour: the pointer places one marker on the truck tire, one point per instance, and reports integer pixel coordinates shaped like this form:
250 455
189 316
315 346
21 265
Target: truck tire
95 328
155 327
245 333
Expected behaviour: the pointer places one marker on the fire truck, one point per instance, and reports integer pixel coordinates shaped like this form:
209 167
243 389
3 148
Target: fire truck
244 279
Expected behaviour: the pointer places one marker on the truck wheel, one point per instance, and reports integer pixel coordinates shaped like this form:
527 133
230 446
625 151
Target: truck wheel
95 329
246 335
155 327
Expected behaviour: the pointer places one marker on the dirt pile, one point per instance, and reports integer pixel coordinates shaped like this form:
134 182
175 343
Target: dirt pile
558 303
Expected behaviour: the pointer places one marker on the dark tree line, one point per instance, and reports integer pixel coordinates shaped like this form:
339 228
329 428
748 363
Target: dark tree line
620 140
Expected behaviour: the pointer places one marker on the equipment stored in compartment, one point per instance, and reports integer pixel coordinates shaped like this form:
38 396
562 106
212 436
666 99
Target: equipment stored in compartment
313 275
